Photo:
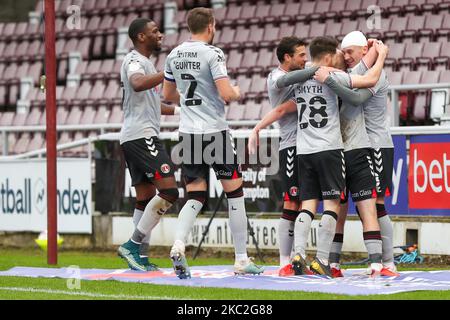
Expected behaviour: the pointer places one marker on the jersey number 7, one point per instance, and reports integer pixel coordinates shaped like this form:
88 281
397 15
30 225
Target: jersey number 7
191 90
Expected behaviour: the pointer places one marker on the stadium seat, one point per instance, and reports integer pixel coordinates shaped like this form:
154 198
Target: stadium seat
430 50
252 110
411 33
102 115
302 30
335 9
292 13
397 25
432 24
22 143
7 118
34 116
37 142
235 111
430 76
116 115
333 28
412 52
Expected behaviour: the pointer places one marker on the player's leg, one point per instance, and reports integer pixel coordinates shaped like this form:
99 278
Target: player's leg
309 196
384 163
291 205
144 193
286 227
237 220
336 246
194 175
331 168
148 161
228 171
362 184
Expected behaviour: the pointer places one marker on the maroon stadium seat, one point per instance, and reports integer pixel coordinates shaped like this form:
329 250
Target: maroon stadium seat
88 115
275 13
22 144
116 115
335 9
102 115
302 30
252 110
235 111
291 11
397 25
7 118
333 28
414 23
97 90
430 76
412 51
412 77
432 24
248 62
430 50
34 117
347 27
61 115
37 142
444 76
395 77
74 116
317 29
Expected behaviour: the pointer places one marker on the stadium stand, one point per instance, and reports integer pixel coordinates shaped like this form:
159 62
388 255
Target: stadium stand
88 91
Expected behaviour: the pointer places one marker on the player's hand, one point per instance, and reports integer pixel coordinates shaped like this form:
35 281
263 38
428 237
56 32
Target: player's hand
371 41
381 48
237 91
321 74
253 141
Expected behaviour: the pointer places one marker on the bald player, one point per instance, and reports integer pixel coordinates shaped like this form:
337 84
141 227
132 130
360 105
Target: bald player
354 46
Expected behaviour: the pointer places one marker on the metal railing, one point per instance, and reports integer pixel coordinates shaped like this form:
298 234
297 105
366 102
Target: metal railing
103 128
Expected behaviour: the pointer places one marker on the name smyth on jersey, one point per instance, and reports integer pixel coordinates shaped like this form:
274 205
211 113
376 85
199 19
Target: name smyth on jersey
310 89
190 65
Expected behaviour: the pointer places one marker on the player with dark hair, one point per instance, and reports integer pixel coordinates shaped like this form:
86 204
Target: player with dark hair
291 53
196 76
148 162
324 175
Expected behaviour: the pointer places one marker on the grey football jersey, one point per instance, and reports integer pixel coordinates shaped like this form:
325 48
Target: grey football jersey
318 113
141 110
277 96
195 66
375 112
353 126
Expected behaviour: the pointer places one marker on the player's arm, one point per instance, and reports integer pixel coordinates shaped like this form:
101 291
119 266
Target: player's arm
371 77
141 82
297 76
227 91
371 55
170 92
340 83
169 110
272 116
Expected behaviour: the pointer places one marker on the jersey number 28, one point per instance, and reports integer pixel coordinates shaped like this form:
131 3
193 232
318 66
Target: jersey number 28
321 111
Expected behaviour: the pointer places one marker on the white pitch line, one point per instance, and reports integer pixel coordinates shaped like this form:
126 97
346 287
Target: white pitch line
86 294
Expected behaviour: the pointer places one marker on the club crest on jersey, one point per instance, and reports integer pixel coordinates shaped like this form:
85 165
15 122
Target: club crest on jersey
165 168
293 191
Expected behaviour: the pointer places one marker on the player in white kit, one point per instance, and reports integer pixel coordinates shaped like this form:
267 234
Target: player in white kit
148 162
196 77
